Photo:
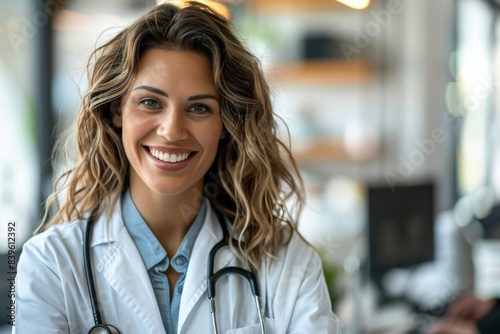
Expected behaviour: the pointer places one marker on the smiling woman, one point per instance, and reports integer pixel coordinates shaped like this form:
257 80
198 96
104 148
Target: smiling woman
177 158
170 111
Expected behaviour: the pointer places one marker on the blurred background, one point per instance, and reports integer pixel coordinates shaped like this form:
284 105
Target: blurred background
392 108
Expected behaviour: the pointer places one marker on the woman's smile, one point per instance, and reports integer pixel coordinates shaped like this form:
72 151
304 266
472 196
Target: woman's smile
169 157
171 162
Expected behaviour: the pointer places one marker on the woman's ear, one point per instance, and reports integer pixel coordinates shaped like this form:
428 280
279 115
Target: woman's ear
116 114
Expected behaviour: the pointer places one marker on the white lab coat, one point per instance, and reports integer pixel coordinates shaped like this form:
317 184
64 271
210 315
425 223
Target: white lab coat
52 294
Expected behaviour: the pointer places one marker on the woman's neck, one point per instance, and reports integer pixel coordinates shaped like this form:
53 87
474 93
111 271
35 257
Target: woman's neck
168 217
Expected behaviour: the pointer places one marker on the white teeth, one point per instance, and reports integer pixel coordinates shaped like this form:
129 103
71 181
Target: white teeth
163 156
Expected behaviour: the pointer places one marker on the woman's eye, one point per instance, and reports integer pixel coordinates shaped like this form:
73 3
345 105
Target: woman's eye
199 109
150 103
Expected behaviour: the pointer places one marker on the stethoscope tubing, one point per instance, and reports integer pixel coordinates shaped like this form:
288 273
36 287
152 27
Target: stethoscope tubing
89 275
212 277
99 327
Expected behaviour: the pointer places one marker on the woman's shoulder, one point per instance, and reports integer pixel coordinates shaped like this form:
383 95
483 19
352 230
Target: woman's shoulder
60 246
68 235
296 252
58 237
298 243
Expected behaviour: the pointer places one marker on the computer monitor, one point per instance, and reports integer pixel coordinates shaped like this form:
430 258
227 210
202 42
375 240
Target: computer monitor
401 229
491 223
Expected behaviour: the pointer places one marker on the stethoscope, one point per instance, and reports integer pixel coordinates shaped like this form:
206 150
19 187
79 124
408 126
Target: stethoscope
101 328
213 277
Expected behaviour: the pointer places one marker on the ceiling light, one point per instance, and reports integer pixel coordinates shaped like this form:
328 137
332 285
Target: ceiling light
356 4
214 5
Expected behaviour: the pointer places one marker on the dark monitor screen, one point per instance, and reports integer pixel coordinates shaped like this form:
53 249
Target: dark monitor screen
491 223
401 226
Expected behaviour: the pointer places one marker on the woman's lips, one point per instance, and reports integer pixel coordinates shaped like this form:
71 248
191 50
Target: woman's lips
169 159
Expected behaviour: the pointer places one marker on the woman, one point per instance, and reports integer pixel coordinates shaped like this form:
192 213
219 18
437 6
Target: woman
176 129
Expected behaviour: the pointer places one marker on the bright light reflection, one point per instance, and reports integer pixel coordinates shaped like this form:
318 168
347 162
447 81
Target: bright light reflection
356 4
216 6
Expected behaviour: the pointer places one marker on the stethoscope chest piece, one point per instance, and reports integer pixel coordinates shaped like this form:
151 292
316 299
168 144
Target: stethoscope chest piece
104 329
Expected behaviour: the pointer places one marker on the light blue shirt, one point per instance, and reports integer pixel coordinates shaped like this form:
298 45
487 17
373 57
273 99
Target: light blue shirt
156 258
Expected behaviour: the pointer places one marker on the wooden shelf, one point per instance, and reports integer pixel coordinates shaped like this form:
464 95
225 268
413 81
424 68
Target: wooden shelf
319 150
322 72
322 149
276 6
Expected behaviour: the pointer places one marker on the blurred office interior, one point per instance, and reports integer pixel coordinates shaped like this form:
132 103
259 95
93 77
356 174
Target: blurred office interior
393 114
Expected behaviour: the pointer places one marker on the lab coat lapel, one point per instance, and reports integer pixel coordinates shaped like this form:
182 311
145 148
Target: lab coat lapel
122 267
196 279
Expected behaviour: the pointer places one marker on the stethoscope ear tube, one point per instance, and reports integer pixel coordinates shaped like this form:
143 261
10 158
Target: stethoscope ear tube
99 327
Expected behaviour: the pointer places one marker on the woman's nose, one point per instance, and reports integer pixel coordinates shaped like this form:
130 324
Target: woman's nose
172 125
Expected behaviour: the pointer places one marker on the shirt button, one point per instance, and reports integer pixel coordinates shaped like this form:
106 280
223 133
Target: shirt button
179 288
180 261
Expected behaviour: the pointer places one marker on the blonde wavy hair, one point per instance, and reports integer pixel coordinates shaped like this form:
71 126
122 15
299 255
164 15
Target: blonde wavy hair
254 173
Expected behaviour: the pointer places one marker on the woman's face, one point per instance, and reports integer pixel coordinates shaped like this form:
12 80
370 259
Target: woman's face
171 123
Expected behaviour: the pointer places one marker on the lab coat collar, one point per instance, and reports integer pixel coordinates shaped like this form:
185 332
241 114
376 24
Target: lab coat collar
122 267
105 231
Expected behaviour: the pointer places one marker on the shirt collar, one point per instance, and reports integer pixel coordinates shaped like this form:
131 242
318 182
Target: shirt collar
148 245
187 244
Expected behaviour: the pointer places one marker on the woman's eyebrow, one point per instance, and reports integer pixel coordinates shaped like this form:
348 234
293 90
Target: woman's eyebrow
203 97
152 90
163 93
